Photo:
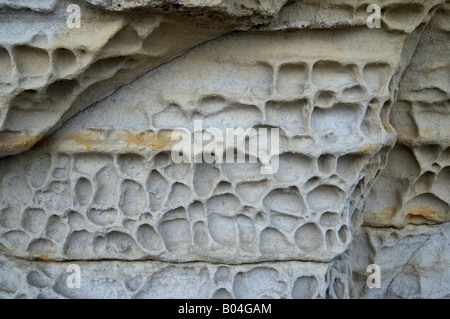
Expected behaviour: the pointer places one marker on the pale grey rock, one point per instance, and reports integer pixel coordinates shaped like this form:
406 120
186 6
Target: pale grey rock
232 8
38 6
116 279
49 72
103 192
239 81
397 16
413 188
412 193
414 261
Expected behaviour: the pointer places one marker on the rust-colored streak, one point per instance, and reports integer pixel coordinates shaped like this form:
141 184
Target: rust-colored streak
384 216
144 139
412 214
17 142
369 148
406 133
119 141
419 212
388 212
88 140
44 256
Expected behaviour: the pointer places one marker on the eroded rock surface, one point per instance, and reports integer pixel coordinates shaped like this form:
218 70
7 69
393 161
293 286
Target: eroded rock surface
406 218
104 192
49 72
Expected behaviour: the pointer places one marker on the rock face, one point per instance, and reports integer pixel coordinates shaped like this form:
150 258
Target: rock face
50 72
344 162
411 199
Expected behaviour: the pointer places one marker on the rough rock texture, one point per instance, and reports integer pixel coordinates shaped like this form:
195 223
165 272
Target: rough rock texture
405 228
413 188
116 279
121 167
414 261
363 157
50 72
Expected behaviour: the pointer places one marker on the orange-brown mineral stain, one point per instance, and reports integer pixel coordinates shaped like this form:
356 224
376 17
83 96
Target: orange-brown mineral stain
406 133
388 212
88 140
44 256
14 141
369 148
412 214
428 131
384 216
419 212
119 141
144 139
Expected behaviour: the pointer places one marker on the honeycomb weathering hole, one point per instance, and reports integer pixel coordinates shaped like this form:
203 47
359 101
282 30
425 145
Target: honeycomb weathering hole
252 191
83 191
206 178
305 287
107 192
259 282
291 79
326 197
329 219
323 120
327 163
222 229
33 220
325 99
291 116
62 90
309 237
400 16
176 234
31 60
64 61
375 76
132 165
9 217
292 167
226 204
272 241
91 163
148 237
333 74
5 65
125 40
102 217
133 199
287 200
354 93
